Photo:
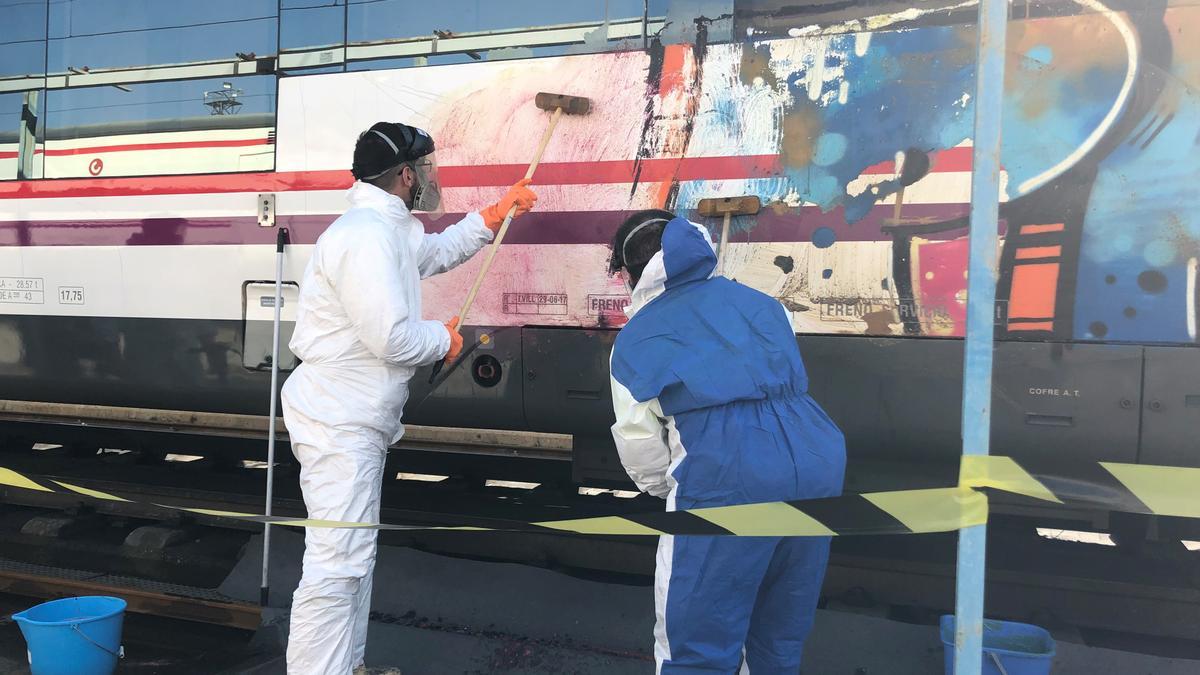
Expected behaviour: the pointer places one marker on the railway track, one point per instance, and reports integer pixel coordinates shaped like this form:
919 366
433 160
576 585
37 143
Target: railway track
154 598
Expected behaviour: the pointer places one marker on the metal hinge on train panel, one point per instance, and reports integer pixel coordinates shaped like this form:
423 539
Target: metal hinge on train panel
266 210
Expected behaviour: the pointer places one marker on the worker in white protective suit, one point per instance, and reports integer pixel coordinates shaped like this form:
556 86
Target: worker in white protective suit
360 335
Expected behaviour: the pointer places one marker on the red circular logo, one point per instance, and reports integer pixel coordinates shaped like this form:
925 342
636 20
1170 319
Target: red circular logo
96 166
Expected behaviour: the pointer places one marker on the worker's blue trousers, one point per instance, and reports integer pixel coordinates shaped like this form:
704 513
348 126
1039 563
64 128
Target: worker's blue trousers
718 596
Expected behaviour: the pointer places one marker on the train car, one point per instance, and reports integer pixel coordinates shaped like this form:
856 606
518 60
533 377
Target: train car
132 288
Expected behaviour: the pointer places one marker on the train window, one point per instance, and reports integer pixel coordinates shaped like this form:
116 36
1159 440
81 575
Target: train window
180 127
683 19
20 145
444 59
97 34
314 31
477 30
385 64
22 38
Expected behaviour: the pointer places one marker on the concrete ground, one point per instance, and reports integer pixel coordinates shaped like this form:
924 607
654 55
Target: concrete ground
445 615
442 615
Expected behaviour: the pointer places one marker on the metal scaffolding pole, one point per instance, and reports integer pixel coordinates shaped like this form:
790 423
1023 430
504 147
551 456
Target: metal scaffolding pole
981 302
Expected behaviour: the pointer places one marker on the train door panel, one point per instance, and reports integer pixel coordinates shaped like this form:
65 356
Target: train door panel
258 314
894 399
567 391
1171 407
567 382
1066 402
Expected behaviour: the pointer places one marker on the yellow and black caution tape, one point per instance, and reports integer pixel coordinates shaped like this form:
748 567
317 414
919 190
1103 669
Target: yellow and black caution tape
1110 486
1135 488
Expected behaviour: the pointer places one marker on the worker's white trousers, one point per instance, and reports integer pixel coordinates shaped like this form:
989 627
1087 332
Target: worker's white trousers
330 609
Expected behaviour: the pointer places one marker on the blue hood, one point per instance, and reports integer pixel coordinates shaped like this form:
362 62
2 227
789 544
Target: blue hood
704 341
687 253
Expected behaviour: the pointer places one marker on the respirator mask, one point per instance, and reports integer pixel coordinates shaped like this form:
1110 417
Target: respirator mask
427 192
387 145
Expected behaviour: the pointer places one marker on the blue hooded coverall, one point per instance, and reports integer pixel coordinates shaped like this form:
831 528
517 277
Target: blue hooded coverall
712 409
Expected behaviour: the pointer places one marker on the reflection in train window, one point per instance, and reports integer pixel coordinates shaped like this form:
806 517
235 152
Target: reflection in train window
685 18
22 38
20 147
118 33
446 59
311 24
378 20
189 126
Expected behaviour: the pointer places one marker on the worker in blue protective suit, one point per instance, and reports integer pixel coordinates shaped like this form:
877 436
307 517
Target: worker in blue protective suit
712 409
361 335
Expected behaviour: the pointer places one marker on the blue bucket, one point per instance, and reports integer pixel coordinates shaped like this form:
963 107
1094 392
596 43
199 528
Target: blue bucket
1008 648
73 636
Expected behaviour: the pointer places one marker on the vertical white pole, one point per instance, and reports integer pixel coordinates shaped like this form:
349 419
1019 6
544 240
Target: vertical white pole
280 243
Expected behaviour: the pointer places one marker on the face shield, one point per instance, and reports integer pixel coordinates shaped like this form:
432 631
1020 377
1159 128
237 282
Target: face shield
427 191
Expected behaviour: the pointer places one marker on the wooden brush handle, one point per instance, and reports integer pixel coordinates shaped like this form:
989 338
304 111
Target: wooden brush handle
724 241
491 254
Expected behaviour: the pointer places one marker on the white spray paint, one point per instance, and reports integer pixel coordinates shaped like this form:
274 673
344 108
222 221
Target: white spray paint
1191 298
877 22
862 42
820 62
1131 48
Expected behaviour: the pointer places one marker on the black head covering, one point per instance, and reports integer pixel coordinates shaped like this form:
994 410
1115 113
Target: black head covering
637 240
386 145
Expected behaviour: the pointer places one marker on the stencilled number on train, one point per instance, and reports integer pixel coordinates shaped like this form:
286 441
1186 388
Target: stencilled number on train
70 295
20 284
21 290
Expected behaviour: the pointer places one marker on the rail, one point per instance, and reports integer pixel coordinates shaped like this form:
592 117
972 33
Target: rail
500 442
143 597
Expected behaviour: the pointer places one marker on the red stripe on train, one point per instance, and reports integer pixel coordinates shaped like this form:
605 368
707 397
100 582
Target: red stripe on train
135 147
169 145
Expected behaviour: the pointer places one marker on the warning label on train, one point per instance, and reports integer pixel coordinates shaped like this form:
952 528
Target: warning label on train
606 304
853 309
535 303
22 290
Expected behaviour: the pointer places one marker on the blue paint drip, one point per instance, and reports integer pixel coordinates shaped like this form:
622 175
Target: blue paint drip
823 237
1042 54
831 148
858 206
1159 253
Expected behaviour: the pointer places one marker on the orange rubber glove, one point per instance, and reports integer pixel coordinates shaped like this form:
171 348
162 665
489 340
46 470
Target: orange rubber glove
456 340
519 195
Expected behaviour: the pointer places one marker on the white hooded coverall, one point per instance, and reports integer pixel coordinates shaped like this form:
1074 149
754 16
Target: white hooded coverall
360 336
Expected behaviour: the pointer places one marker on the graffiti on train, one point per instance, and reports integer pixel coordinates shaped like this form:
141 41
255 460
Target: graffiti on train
860 145
856 137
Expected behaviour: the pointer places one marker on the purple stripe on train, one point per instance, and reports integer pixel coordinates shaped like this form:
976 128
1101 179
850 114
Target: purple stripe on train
560 227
